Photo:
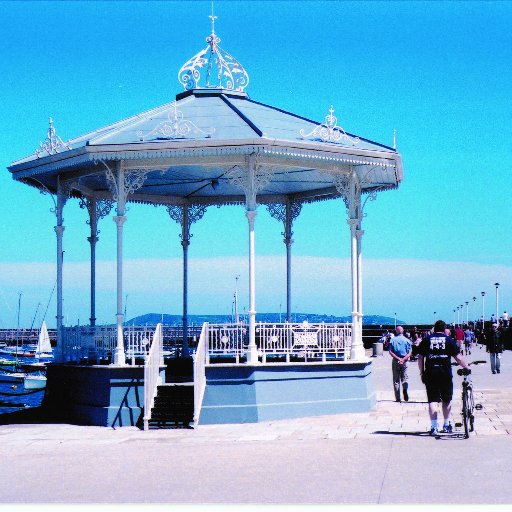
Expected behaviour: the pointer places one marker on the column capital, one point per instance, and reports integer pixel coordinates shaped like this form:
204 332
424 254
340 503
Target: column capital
185 243
92 239
251 216
59 230
353 223
119 219
288 240
359 233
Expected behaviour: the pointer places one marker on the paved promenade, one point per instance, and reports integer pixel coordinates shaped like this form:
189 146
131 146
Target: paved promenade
381 457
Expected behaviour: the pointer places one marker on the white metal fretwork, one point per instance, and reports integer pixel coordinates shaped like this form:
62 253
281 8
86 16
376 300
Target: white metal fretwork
52 144
330 132
298 340
221 70
152 379
227 339
304 340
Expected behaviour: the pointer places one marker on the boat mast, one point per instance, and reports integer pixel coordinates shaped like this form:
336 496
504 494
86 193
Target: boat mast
18 327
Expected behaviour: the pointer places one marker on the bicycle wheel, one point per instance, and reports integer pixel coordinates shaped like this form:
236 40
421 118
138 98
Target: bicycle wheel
465 412
471 409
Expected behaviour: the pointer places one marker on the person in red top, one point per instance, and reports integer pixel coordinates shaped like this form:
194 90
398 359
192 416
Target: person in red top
459 337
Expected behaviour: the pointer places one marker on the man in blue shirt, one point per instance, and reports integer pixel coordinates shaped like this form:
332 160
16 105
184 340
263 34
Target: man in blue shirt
434 362
400 350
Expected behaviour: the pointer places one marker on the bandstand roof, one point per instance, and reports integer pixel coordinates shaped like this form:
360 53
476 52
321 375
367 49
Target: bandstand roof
188 148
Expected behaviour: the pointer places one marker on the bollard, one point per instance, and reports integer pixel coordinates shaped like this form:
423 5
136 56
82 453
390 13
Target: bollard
378 349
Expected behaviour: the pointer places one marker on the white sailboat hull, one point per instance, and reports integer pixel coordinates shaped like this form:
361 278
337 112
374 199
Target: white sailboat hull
35 382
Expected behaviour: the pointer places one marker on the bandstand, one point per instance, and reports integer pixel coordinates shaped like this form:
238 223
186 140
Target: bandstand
211 146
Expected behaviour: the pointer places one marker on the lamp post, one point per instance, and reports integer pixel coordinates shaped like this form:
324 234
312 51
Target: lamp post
434 317
458 315
395 321
497 314
454 317
467 313
474 311
483 310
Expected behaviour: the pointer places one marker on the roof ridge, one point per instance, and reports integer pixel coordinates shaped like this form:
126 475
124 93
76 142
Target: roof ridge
241 115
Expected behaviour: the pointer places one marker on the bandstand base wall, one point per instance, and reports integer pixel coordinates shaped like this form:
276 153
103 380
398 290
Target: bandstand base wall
95 395
264 392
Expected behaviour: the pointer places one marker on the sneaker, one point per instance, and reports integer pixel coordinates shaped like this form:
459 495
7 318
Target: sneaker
494 372
447 429
406 395
497 371
433 431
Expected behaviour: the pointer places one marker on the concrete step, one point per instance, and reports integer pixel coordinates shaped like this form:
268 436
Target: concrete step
174 406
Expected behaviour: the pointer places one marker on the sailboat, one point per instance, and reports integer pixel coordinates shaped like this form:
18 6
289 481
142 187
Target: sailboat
44 347
43 350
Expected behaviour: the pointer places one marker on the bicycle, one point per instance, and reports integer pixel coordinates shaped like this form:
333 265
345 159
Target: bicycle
468 403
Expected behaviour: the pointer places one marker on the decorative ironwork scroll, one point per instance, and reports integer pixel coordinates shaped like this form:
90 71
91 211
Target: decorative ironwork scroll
330 132
133 180
195 213
286 213
343 184
176 127
250 182
52 144
98 209
222 70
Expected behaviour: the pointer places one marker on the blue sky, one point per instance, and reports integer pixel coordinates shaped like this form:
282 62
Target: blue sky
437 72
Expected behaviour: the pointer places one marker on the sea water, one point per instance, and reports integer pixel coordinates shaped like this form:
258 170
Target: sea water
13 395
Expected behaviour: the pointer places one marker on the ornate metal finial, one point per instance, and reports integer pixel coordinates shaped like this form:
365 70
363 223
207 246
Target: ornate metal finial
176 127
222 71
213 18
52 144
329 131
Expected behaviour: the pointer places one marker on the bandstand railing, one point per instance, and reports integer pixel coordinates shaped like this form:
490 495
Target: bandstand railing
96 344
199 371
152 379
278 341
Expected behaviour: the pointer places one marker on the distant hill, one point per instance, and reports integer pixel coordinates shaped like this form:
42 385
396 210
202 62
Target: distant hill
154 318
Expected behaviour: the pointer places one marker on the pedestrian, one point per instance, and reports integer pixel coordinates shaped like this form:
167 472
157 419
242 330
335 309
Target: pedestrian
434 362
506 318
400 350
469 336
459 337
495 348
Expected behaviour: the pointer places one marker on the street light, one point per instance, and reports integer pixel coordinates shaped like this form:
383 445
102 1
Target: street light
497 314
454 317
458 315
395 321
467 314
434 317
474 311
483 311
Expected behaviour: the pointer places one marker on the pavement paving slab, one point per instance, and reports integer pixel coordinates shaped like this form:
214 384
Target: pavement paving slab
340 459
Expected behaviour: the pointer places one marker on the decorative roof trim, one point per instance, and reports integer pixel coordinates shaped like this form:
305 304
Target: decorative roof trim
88 154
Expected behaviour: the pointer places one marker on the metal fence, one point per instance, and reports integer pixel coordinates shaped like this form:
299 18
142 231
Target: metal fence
281 341
97 344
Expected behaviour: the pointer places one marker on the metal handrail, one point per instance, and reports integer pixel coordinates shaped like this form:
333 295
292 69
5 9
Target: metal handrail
152 377
200 360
